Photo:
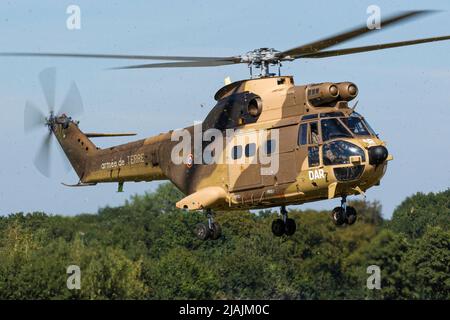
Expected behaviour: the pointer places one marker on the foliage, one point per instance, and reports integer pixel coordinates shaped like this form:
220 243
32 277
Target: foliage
145 249
421 210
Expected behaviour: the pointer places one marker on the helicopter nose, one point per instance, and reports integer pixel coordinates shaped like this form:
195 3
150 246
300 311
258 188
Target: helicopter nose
377 155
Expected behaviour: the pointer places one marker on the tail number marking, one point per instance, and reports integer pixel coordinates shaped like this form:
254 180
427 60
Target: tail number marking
316 174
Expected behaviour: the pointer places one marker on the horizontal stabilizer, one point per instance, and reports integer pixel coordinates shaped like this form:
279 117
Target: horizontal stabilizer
78 184
105 135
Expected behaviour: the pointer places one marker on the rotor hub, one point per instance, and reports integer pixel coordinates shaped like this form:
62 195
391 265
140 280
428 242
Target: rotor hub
261 55
261 59
50 120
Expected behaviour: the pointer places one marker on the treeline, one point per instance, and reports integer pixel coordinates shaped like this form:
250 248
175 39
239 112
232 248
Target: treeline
145 249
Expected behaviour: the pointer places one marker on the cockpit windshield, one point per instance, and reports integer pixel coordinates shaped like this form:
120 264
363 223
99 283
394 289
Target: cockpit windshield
356 125
369 128
334 125
332 128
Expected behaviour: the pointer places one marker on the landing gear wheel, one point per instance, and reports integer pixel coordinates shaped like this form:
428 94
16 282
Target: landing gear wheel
202 231
338 216
350 216
278 227
215 232
290 227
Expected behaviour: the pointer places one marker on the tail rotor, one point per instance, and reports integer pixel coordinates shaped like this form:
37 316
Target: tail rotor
35 119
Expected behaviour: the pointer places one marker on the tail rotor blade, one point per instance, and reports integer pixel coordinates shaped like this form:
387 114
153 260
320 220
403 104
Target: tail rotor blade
47 78
42 160
73 104
66 164
33 118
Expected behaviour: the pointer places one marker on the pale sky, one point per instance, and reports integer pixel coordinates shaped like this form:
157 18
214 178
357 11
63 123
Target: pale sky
404 92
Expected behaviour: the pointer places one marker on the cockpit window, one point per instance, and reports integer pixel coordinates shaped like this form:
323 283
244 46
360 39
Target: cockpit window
333 128
302 134
331 114
356 125
369 128
339 152
310 116
313 133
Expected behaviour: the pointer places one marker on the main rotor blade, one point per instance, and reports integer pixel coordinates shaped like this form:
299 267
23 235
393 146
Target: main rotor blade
72 104
316 46
47 78
42 159
33 118
112 56
341 52
187 64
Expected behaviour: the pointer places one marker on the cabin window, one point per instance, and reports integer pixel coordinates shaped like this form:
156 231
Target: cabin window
236 152
270 146
250 150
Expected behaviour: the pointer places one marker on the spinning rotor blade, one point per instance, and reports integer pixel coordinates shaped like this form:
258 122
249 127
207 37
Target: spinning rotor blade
210 63
72 104
33 118
261 58
317 46
47 79
42 159
341 52
112 56
65 161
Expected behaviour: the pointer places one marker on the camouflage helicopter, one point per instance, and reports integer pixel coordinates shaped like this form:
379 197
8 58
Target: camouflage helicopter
323 147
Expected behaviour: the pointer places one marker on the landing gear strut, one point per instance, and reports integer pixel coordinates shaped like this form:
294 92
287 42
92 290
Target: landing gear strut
285 225
210 230
343 214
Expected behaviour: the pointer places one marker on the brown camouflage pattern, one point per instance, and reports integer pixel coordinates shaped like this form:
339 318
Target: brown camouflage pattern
228 186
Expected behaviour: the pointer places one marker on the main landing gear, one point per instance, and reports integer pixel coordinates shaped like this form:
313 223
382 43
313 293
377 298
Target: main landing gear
343 214
210 230
285 225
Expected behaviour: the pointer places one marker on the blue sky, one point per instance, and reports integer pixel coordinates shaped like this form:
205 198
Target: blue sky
404 92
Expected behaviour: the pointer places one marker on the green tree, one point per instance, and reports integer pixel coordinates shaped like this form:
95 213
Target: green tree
180 274
386 250
417 212
426 267
145 249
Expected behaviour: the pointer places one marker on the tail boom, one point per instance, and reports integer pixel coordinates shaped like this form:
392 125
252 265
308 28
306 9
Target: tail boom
134 161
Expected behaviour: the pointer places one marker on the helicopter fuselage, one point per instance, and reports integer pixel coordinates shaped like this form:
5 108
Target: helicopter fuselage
274 144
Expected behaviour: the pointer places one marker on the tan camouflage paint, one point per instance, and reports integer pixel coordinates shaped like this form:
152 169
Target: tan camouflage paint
228 186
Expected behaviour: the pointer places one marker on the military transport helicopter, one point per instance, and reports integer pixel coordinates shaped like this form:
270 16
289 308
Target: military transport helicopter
324 148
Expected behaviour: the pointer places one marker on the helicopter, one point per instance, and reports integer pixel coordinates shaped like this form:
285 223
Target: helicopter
266 143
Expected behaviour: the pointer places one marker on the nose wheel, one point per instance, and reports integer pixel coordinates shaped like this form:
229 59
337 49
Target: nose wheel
284 225
210 230
344 214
